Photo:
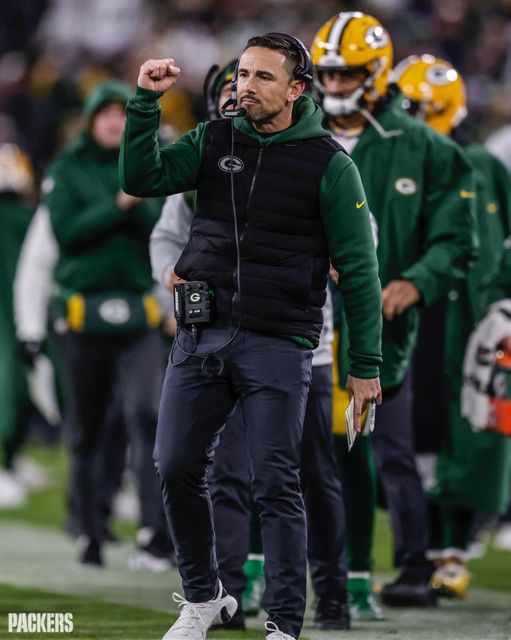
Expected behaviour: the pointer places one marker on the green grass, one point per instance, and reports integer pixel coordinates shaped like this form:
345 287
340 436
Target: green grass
485 614
493 571
93 619
47 508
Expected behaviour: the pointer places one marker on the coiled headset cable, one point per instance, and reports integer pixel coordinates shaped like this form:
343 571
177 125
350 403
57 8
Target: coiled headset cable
212 363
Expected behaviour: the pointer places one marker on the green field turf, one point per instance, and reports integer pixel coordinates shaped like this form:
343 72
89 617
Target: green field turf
92 618
38 572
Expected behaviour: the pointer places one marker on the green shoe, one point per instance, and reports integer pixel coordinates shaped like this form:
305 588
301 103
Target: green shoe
252 595
362 603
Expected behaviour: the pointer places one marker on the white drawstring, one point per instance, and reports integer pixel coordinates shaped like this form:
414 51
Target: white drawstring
383 133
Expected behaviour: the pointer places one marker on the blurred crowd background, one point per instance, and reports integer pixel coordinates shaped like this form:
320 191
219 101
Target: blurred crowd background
52 52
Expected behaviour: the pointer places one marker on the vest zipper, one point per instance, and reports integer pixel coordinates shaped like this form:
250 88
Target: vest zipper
256 171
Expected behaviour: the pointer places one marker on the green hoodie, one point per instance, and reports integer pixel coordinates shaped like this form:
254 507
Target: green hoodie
105 93
421 190
102 248
147 170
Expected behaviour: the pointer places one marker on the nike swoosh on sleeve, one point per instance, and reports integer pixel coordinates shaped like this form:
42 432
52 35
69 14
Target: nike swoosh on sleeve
467 194
360 204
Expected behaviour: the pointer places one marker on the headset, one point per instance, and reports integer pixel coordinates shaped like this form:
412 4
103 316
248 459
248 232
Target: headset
303 70
235 112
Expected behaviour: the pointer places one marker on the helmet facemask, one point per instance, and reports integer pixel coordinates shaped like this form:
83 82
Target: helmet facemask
336 105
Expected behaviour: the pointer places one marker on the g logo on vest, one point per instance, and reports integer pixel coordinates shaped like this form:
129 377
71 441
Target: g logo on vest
406 186
231 164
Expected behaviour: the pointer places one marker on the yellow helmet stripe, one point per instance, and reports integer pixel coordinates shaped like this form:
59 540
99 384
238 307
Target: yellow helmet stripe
401 67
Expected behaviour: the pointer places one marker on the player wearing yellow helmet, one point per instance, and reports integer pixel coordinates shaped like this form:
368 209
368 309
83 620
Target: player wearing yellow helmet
352 43
425 235
432 90
471 471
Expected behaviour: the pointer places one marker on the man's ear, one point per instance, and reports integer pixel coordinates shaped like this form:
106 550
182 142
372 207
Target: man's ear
296 88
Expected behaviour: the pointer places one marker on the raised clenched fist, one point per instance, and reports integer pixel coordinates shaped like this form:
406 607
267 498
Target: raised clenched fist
158 75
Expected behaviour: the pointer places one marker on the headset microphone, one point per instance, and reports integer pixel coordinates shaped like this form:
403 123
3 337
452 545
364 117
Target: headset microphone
232 113
233 100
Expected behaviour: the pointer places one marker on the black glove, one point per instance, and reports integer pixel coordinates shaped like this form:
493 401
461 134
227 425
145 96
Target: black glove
29 351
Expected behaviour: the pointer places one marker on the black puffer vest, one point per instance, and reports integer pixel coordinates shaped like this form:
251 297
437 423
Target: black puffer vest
284 255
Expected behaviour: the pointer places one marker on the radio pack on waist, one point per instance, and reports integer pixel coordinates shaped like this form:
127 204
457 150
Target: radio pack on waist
193 303
107 312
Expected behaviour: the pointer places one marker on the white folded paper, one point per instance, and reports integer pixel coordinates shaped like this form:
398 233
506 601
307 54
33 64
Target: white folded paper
350 422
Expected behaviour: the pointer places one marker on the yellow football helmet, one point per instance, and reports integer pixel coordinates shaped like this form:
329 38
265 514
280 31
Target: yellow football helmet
350 42
16 172
432 90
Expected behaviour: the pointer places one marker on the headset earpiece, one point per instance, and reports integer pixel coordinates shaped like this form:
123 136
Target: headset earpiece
304 70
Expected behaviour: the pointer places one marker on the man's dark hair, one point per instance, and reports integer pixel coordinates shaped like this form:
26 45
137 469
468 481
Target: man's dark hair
290 51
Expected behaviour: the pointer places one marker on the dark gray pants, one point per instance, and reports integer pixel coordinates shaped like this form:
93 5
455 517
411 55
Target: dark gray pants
392 441
322 490
94 366
230 493
269 377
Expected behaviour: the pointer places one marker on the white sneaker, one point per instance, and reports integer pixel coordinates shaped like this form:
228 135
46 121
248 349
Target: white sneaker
502 540
275 632
154 551
31 474
13 493
197 617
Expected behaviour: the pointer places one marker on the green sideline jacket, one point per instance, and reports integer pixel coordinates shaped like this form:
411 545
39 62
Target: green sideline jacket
495 271
473 470
147 170
101 247
499 284
421 190
15 217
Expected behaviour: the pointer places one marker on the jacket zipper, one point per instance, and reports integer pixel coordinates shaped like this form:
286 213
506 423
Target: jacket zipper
235 297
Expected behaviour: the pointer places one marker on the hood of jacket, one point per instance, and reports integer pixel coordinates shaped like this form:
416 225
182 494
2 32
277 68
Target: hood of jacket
102 94
307 123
